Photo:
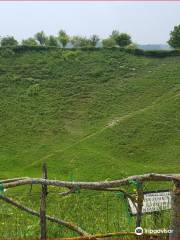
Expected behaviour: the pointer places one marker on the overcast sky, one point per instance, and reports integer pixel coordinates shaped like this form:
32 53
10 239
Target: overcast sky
146 22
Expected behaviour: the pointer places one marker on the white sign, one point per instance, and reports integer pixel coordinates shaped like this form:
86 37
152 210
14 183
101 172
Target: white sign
153 202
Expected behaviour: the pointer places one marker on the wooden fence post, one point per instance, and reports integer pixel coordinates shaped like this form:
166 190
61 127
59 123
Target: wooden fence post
43 205
175 222
140 198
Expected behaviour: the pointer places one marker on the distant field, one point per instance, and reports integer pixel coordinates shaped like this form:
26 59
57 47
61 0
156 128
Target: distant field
91 115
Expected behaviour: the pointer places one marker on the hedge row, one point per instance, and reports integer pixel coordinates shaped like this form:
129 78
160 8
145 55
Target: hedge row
137 52
154 53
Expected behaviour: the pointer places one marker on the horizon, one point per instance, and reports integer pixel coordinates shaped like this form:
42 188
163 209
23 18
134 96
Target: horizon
146 22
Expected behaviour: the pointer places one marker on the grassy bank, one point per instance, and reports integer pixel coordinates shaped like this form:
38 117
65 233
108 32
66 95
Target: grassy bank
91 115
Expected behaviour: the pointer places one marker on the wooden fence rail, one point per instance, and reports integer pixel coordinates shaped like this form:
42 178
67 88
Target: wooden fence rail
97 186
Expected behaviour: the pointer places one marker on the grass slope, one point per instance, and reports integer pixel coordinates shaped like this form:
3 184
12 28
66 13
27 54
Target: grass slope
93 114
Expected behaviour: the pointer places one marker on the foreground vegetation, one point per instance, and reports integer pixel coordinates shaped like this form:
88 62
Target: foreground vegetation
91 115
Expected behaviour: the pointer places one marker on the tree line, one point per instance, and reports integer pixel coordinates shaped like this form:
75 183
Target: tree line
63 40
116 39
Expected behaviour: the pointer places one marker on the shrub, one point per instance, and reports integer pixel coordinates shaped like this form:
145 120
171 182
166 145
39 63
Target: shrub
29 42
121 39
7 52
70 54
81 42
25 48
8 41
108 43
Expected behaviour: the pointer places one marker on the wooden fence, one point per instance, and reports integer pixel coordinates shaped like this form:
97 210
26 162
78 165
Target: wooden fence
116 185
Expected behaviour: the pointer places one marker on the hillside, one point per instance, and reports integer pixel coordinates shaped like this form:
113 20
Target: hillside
89 114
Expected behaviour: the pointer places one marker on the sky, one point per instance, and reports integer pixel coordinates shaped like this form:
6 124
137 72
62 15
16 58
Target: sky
146 22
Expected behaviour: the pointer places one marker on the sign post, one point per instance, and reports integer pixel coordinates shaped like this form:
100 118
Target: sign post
139 204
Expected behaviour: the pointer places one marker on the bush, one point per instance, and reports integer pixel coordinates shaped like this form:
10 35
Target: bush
152 53
108 43
6 52
29 42
135 51
161 53
81 42
121 39
8 41
70 54
24 48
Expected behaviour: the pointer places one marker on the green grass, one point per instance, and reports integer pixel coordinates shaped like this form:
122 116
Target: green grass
91 115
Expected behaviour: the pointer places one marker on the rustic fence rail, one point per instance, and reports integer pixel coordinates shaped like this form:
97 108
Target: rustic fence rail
116 185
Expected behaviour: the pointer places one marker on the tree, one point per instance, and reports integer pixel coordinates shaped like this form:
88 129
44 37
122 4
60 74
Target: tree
121 39
80 42
29 42
63 38
52 41
9 41
108 43
94 39
41 38
114 35
174 40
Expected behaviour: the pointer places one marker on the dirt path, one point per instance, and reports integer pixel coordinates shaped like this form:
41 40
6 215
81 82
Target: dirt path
111 124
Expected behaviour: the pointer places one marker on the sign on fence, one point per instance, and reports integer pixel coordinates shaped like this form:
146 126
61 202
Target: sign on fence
153 202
